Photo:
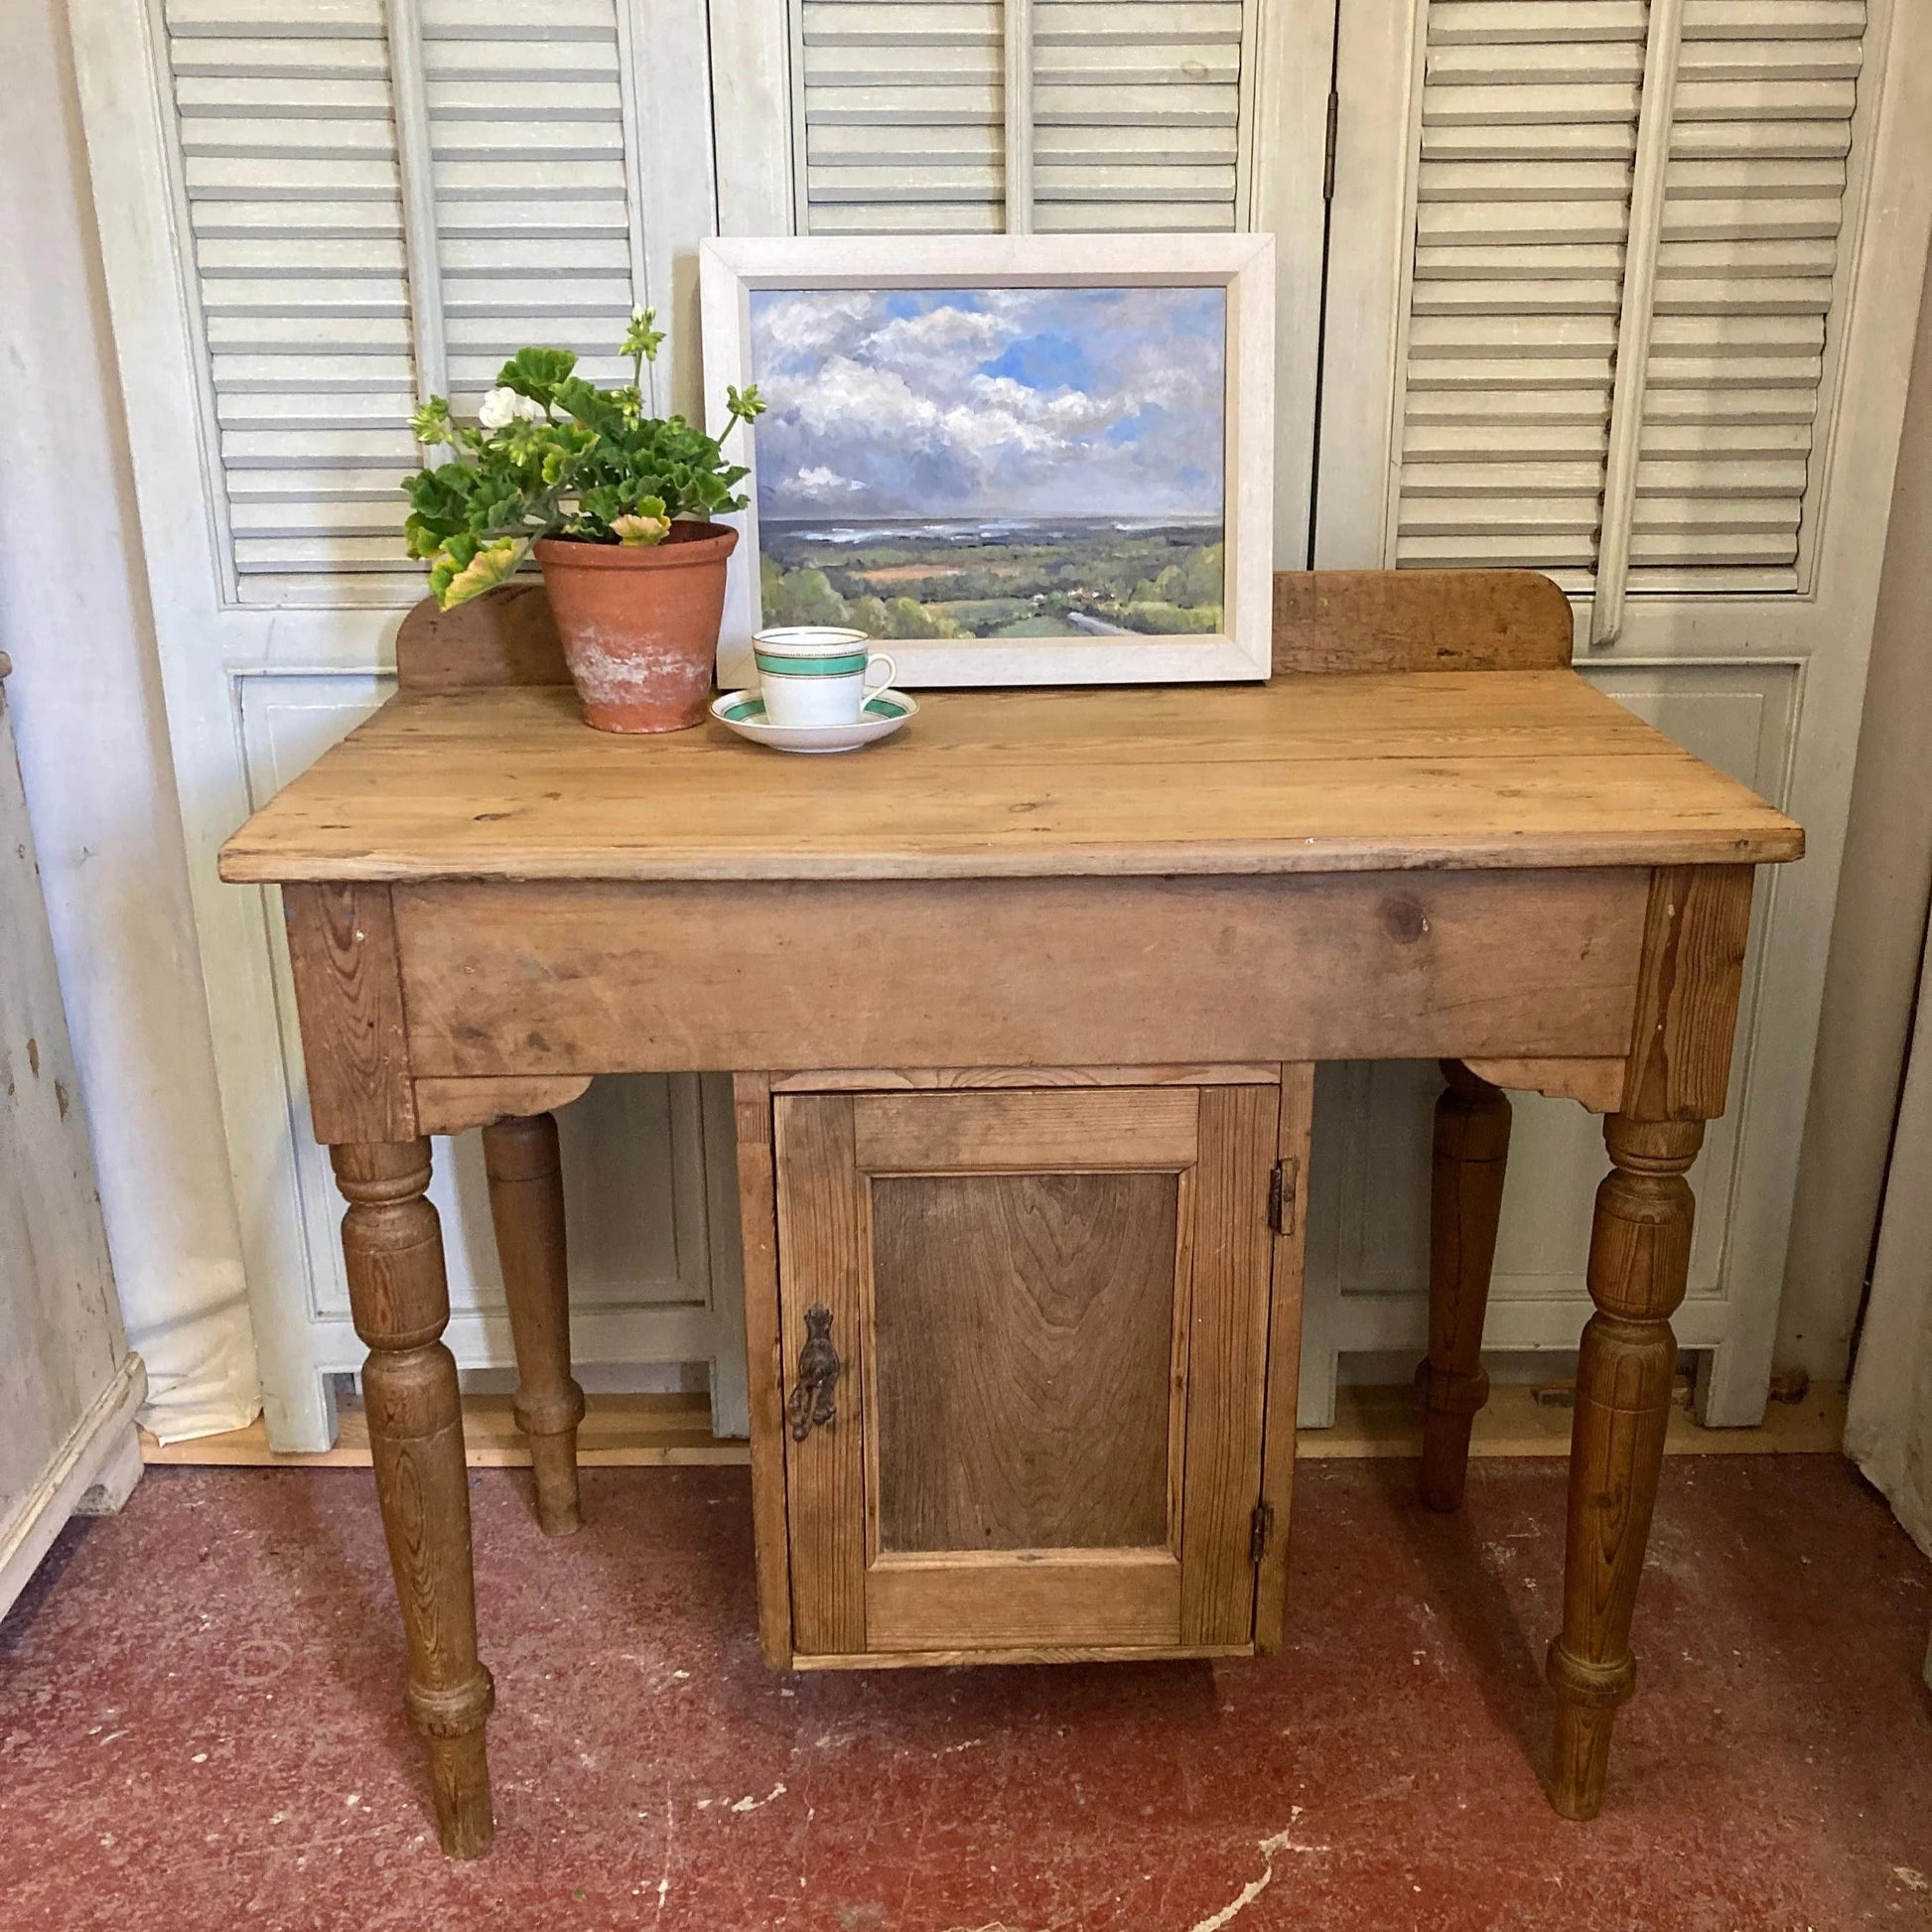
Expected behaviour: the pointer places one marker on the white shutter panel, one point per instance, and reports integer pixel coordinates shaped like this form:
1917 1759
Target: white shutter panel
900 105
1137 110
1529 133
288 156
525 103
1761 129
1529 121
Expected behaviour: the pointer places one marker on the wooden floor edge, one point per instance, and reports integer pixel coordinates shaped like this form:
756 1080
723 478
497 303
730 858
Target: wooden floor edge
667 1431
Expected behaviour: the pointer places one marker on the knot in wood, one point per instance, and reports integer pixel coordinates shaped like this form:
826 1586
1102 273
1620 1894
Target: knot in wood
1406 921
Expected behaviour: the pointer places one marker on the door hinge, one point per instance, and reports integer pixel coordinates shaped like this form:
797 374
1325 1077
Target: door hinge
1328 146
1264 1528
1281 1196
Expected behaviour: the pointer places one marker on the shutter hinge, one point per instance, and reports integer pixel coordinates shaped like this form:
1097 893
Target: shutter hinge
1264 1528
1328 146
1282 1185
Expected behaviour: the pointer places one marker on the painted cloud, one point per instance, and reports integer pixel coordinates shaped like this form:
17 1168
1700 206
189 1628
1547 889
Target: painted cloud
1004 402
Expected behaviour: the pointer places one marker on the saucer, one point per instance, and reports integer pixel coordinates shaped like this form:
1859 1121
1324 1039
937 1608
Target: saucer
744 712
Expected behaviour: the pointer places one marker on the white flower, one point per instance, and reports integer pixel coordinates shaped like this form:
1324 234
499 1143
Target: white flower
501 407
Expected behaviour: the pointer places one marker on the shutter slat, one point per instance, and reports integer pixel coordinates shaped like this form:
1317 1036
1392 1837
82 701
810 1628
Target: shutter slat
1137 23
1500 23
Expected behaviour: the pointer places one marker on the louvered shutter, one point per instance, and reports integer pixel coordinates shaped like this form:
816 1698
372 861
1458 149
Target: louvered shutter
528 125
900 110
1752 206
387 201
1136 113
288 156
1530 120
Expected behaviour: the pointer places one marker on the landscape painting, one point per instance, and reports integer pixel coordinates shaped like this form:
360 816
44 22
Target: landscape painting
986 463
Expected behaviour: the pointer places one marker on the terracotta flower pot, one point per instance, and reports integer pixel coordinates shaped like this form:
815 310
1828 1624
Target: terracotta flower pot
639 625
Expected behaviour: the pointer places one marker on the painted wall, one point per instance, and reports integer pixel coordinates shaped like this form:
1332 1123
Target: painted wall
93 752
1876 933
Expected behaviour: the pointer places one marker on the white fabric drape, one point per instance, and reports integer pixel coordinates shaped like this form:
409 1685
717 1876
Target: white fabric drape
1889 1430
100 786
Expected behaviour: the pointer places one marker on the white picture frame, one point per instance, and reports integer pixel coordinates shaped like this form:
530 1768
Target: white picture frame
731 271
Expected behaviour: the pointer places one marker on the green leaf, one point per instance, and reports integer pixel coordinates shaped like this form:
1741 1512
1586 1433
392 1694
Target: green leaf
647 525
457 582
535 373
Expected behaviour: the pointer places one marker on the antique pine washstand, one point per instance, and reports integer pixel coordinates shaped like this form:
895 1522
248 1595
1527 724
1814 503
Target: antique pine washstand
1024 1007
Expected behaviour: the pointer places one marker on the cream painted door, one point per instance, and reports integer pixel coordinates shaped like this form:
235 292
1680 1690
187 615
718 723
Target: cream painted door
312 215
1626 293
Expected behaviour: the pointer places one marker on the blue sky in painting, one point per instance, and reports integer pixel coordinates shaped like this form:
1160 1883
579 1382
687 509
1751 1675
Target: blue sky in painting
990 403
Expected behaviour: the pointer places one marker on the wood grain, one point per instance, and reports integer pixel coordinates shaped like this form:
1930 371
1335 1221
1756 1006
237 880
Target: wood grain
1034 1653
936 1132
917 1079
525 1177
1291 1148
1333 621
1597 1084
1468 1165
456 1106
1459 770
823 1261
1023 1332
507 636
764 1375
1639 1259
1125 1597
1360 621
393 1252
349 1003
1227 1357
610 977
1694 934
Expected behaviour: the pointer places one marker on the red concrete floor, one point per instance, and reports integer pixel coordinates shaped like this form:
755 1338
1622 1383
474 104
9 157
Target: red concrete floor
199 1727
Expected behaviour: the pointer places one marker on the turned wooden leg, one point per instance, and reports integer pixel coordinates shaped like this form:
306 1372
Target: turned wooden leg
1465 1199
392 1243
527 1203
1639 1257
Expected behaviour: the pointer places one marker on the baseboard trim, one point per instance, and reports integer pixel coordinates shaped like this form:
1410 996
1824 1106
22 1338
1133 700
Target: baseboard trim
98 1451
655 1430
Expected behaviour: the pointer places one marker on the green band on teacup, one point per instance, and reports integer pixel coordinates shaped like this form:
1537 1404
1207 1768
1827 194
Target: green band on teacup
810 666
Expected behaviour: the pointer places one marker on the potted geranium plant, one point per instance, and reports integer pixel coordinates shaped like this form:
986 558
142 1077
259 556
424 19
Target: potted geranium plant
617 506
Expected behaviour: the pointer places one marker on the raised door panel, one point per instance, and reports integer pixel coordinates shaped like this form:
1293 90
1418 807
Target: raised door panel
1050 1311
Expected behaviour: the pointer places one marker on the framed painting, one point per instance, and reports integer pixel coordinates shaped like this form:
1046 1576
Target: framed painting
1012 460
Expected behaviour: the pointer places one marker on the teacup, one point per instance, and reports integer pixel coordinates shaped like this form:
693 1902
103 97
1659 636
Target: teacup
817 673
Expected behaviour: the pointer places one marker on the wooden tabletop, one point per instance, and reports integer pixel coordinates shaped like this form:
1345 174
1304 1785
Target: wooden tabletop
1305 774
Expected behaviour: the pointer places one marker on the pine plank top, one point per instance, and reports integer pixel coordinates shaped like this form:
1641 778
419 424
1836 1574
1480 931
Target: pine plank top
1305 774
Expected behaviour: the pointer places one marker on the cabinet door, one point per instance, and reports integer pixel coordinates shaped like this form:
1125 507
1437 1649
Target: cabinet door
1050 1309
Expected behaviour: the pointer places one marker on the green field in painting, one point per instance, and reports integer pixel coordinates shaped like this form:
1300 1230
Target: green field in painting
994 580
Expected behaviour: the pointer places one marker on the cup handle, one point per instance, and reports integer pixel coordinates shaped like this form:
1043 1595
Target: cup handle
892 671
